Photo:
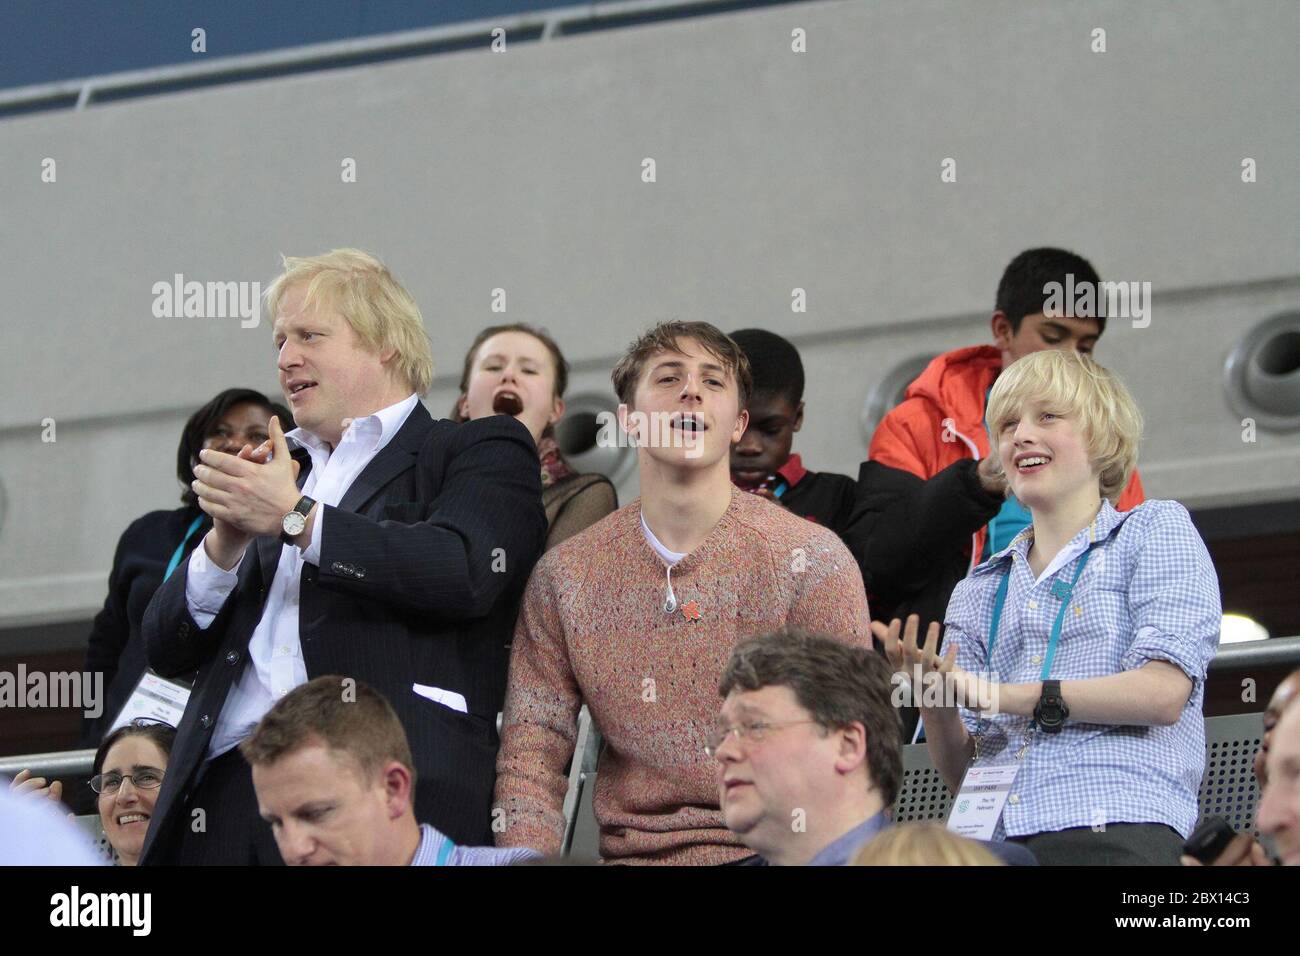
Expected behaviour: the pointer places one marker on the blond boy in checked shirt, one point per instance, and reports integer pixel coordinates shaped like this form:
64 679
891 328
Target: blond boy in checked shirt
1104 722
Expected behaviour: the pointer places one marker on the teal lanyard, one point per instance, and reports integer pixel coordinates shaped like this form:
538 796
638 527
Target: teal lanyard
444 852
1060 589
180 548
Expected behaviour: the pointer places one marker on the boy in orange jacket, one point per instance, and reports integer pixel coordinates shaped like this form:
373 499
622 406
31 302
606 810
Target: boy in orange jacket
930 504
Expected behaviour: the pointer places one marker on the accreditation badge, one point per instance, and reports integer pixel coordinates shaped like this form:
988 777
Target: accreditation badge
978 805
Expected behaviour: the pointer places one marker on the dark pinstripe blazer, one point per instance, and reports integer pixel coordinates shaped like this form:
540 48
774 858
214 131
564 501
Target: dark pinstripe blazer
409 589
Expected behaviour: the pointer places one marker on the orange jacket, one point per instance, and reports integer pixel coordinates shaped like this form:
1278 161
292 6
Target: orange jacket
941 420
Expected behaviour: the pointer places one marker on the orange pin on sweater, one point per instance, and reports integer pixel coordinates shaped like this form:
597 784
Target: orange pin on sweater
691 610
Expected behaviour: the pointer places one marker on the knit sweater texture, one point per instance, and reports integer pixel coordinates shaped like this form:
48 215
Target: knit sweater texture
594 629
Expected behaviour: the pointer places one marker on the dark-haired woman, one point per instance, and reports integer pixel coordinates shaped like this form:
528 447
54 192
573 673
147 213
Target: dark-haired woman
128 770
519 370
153 546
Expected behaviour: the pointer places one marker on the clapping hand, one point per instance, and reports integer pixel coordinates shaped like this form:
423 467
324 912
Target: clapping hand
247 491
906 655
246 494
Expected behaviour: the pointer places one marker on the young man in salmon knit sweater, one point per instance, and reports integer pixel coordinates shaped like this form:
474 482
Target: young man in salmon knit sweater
637 616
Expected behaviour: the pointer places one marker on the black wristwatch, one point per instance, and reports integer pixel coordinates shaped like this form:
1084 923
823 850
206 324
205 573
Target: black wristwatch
1050 712
291 524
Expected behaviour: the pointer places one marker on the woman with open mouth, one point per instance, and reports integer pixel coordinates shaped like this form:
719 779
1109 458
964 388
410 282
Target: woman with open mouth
520 371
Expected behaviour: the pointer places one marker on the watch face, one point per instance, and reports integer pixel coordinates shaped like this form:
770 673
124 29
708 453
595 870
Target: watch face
293 523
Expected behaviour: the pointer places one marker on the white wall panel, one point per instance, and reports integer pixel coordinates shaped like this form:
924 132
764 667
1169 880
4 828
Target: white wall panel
522 170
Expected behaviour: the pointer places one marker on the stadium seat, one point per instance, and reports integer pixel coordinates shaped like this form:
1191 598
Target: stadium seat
1228 788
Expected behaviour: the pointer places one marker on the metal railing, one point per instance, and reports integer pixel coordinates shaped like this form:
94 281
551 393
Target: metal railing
535 26
64 763
1251 655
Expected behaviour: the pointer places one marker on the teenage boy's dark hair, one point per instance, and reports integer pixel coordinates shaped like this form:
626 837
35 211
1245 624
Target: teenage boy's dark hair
774 363
1020 293
664 337
835 682
205 420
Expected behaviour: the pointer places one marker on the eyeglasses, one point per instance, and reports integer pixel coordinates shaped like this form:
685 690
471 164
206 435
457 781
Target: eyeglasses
753 732
148 778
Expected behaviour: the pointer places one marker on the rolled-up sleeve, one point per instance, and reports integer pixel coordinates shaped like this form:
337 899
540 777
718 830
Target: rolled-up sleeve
1173 595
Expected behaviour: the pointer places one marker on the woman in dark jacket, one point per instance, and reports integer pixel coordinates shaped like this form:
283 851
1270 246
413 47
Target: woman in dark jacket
153 546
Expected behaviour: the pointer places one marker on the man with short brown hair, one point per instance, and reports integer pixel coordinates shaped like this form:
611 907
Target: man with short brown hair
808 751
665 337
334 778
808 748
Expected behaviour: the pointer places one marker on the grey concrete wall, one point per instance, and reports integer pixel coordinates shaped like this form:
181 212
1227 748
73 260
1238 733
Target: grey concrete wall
522 171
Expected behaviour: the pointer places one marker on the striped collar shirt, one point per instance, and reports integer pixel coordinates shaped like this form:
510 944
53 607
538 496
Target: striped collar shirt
437 849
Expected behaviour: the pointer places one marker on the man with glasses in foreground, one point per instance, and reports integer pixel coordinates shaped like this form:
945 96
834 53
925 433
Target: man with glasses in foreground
808 751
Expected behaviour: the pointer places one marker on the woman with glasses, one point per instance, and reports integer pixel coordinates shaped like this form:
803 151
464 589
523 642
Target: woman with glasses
155 545
128 770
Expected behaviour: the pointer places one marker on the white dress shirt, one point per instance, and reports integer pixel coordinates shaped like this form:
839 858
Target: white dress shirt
274 651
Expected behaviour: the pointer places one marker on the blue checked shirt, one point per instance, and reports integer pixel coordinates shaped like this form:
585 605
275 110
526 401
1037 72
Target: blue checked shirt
1148 593
433 842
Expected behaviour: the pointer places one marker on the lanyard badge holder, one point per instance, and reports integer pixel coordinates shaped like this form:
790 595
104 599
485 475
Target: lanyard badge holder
977 808
180 548
153 696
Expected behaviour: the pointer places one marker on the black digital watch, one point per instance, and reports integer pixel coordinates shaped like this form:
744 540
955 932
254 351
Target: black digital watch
1050 712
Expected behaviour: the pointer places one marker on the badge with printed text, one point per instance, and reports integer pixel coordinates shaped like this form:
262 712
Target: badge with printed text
978 805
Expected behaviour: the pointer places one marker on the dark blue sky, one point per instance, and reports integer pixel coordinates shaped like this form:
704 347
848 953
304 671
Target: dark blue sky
46 40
